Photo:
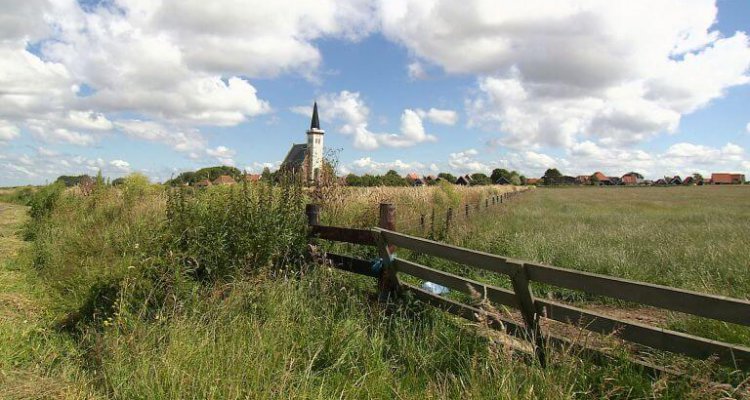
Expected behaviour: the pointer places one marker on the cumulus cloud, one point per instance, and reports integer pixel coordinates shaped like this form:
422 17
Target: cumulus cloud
45 165
222 154
556 74
367 165
183 140
8 131
120 165
416 71
437 116
181 64
349 110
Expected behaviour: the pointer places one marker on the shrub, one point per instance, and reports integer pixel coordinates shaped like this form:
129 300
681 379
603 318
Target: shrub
224 231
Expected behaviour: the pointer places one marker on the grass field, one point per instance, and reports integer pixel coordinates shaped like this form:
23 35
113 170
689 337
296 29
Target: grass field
130 293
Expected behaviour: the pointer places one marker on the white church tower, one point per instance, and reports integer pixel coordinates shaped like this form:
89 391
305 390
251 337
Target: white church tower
314 147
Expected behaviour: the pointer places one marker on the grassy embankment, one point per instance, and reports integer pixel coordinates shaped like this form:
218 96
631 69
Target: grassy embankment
144 295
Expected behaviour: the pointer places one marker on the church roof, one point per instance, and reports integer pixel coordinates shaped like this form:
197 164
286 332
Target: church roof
315 122
296 156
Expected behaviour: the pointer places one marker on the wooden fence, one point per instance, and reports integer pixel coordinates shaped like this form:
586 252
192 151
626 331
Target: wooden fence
534 309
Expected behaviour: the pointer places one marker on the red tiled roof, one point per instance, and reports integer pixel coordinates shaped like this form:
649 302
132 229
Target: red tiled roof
412 176
252 177
600 176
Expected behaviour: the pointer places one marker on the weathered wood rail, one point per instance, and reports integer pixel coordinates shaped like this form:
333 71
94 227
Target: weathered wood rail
534 309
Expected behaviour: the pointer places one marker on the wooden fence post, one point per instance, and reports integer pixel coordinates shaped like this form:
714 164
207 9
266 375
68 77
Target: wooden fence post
467 211
421 222
387 281
520 282
313 214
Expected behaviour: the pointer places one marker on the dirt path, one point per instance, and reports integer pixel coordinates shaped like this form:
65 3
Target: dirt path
28 348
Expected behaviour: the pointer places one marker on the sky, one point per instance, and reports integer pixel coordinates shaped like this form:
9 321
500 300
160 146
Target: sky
661 87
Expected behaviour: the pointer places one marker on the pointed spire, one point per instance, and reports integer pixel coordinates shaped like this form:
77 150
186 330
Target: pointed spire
315 123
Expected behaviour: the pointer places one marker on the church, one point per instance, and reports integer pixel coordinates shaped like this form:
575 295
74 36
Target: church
306 159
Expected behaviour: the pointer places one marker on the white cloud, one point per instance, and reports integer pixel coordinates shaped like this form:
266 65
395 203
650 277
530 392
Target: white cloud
257 167
120 165
556 74
89 120
367 165
437 116
350 110
222 154
183 140
8 131
416 71
44 131
465 162
747 128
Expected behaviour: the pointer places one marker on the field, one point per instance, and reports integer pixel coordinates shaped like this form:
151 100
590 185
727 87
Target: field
139 293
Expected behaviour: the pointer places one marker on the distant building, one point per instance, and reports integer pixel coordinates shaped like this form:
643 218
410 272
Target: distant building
567 180
676 180
727 179
600 178
252 177
632 178
224 180
532 181
689 180
202 184
463 180
306 159
583 179
503 181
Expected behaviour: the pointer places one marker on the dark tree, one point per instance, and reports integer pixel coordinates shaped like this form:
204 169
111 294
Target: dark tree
552 177
447 177
480 179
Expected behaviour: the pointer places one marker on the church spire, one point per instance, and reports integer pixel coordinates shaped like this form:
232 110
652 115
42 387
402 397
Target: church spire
315 123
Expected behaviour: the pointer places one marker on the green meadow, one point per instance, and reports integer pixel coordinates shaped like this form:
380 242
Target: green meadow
138 292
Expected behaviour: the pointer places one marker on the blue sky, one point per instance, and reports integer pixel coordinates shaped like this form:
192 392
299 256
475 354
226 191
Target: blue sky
660 87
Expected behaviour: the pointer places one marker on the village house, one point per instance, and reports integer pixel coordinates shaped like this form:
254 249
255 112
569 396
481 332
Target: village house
632 178
414 180
203 184
306 159
224 180
583 180
532 181
463 180
727 179
600 178
503 181
676 180
251 178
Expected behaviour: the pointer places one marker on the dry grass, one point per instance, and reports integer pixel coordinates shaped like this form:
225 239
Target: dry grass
358 206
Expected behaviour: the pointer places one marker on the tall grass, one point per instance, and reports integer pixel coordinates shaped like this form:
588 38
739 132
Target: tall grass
181 294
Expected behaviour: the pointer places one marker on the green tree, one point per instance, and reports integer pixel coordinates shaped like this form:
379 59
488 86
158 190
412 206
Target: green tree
266 176
498 173
552 176
447 177
479 179
392 178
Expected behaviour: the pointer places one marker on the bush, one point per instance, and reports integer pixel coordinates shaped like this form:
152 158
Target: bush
225 231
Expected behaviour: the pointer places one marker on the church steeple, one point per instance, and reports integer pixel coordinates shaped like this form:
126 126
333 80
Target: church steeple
314 147
315 123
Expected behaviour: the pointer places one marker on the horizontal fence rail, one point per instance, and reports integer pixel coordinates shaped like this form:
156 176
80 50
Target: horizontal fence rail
533 309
